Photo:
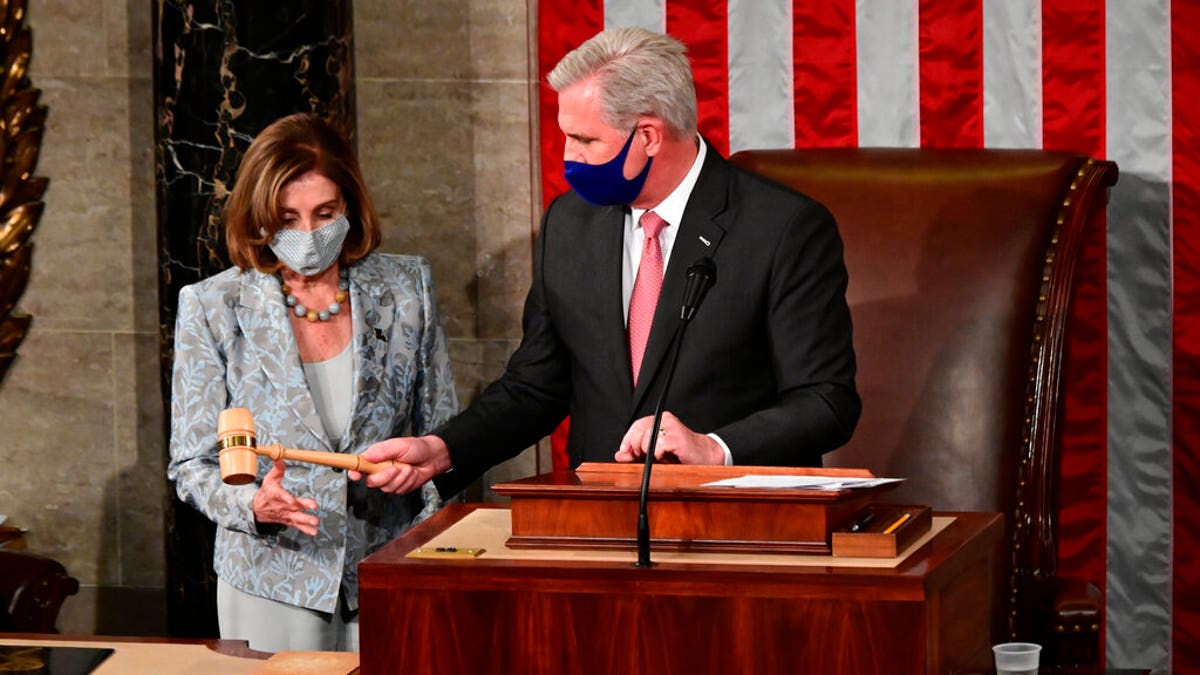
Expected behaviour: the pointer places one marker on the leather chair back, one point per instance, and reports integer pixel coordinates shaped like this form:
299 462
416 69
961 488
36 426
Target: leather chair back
961 268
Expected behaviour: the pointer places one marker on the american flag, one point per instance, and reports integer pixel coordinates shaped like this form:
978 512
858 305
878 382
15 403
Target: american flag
1114 79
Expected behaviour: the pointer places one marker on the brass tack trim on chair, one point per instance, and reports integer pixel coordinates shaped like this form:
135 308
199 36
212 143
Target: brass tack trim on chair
1056 281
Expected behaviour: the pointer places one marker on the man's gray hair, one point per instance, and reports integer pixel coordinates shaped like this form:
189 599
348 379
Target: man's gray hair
639 73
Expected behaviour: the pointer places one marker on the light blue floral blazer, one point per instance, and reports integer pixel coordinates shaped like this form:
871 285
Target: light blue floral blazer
234 347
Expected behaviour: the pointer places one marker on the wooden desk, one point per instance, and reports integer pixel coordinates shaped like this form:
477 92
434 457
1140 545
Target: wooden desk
931 613
165 656
12 538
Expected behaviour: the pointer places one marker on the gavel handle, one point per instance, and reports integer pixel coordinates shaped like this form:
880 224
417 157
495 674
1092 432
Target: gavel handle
334 459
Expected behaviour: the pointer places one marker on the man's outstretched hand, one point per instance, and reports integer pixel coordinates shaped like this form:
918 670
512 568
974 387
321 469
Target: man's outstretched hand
418 460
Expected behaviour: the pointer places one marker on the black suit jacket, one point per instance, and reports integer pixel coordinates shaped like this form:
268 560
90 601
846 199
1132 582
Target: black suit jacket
767 362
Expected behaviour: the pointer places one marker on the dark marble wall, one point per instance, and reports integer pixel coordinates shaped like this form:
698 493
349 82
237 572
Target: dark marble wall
224 69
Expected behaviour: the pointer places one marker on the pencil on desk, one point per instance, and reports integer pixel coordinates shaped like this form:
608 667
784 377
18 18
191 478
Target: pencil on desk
899 521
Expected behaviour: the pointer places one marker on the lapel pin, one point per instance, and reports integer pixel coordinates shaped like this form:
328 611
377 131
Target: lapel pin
705 241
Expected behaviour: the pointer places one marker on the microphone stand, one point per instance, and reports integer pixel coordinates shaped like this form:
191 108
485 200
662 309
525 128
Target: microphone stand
643 525
701 275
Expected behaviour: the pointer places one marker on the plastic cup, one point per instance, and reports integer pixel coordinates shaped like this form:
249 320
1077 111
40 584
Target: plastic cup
1017 658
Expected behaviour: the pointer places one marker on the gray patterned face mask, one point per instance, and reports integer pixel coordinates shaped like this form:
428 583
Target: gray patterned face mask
310 253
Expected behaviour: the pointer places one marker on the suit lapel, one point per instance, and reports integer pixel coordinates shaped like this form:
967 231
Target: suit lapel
263 318
699 235
603 247
373 309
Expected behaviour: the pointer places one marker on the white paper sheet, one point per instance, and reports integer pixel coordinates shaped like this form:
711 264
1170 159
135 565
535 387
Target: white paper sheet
806 482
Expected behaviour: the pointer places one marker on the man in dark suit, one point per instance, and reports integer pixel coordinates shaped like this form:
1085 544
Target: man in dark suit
766 370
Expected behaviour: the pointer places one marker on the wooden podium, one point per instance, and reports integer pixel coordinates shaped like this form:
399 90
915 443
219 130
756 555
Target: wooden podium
596 506
522 610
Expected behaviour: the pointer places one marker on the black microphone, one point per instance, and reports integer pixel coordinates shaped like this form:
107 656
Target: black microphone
700 277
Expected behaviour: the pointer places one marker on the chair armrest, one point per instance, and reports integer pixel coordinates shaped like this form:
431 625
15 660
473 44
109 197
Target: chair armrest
1077 612
32 591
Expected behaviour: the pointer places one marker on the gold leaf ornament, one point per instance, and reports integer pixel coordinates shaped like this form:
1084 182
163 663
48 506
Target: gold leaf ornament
22 124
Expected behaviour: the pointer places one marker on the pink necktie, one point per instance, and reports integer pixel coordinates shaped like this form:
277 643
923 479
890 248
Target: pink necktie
645 290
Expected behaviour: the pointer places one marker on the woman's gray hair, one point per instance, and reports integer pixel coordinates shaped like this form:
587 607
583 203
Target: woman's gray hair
639 73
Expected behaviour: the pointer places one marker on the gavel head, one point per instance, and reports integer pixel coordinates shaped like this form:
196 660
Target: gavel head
235 443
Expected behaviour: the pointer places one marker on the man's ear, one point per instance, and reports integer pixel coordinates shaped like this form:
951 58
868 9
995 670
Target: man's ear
652 132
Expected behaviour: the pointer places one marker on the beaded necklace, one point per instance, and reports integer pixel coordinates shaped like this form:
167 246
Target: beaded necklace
323 315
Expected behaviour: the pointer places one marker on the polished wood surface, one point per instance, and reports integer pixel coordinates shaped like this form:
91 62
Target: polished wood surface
12 538
931 613
236 648
893 527
596 506
186 656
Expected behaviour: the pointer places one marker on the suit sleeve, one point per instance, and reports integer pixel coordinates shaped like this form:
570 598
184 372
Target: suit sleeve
810 338
528 400
198 394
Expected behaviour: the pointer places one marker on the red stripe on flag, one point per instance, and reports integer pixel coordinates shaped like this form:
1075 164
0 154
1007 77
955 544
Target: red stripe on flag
562 27
1073 91
703 25
1073 118
825 70
1185 567
950 51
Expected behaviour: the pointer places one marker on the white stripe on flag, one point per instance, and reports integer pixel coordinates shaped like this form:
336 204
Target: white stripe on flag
761 101
1138 579
1012 73
648 14
887 73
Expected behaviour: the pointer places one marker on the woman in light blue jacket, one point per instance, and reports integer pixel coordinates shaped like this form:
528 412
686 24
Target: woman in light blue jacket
332 347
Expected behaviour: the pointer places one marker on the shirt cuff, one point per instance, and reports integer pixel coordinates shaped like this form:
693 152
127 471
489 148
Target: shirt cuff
725 448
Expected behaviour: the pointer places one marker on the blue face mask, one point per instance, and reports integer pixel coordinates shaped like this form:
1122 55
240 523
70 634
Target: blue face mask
606 184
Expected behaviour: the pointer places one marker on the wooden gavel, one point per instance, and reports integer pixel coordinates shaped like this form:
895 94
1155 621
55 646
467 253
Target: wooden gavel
237 450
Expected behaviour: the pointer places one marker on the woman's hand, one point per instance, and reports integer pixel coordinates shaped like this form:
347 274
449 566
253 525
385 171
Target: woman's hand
273 504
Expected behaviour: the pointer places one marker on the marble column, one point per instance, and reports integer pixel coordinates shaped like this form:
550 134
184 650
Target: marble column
224 69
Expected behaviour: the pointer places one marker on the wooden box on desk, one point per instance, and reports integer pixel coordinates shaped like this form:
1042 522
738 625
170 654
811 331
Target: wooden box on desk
875 541
596 507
